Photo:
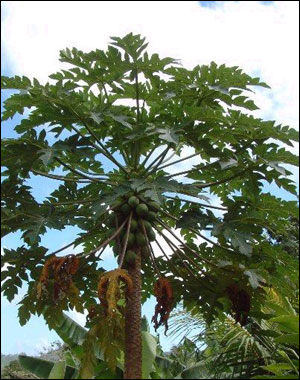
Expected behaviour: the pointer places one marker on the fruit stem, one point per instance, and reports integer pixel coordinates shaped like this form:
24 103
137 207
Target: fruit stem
104 244
150 249
168 259
119 247
126 242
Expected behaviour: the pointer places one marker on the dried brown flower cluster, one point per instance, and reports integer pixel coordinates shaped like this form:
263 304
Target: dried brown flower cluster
164 297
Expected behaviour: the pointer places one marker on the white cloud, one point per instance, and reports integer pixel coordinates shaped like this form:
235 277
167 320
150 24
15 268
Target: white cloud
262 40
43 344
31 347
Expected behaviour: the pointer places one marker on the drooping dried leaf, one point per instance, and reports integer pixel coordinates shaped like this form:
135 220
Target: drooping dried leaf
109 288
113 289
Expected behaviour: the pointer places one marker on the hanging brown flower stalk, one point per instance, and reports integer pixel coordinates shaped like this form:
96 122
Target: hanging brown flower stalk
241 303
164 297
61 269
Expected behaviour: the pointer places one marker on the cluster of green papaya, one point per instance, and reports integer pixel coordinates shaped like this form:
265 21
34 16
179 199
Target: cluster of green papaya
144 212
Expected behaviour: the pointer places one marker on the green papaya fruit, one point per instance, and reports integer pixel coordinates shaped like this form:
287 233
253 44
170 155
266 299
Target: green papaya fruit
151 216
140 239
130 257
125 209
142 210
134 225
133 201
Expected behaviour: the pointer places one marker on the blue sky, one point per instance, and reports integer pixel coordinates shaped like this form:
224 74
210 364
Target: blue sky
34 32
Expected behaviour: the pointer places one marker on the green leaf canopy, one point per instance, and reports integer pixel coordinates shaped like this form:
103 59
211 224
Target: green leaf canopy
110 125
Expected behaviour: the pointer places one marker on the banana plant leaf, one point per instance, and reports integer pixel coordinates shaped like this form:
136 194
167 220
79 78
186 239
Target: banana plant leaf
42 368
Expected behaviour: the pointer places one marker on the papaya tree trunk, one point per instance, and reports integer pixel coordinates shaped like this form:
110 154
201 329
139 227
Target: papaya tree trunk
133 324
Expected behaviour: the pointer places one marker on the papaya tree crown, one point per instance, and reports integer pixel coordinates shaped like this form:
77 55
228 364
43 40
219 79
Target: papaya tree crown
139 113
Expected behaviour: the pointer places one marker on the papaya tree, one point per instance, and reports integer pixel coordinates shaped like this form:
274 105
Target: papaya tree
112 129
